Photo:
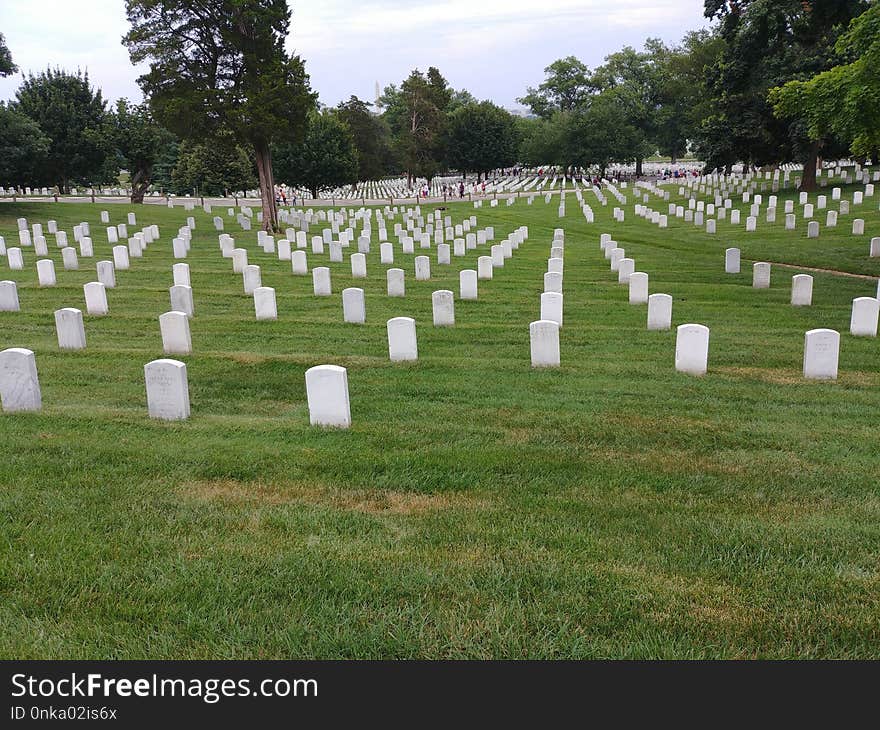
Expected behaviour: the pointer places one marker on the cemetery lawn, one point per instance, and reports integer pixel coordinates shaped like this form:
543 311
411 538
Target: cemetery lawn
476 508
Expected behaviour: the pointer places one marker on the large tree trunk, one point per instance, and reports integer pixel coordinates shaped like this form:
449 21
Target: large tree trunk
267 186
639 166
140 181
875 157
808 181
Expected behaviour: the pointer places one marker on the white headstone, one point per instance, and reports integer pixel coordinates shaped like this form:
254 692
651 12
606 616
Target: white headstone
443 305
821 352
801 290
120 258
9 297
182 299
467 284
396 282
19 385
96 298
327 394
761 275
298 262
353 305
638 288
484 267
659 312
402 343
863 320
176 338
46 272
625 270
264 303
321 281
692 349
551 307
167 390
69 328
107 274
252 278
180 272
553 282
69 259
544 339
423 268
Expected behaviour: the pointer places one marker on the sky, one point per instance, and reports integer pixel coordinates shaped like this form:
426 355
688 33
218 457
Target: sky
492 48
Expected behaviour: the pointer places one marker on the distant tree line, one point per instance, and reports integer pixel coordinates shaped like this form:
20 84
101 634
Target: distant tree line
228 108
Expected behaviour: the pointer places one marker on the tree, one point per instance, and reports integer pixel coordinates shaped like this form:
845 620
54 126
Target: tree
7 67
23 148
794 40
842 101
633 78
213 167
417 117
682 95
222 64
73 116
372 138
326 159
567 86
139 142
481 137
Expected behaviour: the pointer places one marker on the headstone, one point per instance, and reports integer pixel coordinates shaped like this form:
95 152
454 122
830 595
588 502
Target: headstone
396 282
14 259
544 339
761 275
821 352
176 338
801 290
467 284
732 261
69 328
252 279
327 395
358 266
659 312
874 250
443 254
858 227
813 229
443 305
46 272
402 343
638 288
386 253
265 306
107 274
69 259
299 264
625 270
553 282
19 385
120 258
9 297
865 312
692 349
423 268
167 390
551 307
96 298
321 281
182 299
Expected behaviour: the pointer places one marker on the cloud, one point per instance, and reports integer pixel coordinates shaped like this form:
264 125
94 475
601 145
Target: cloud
494 48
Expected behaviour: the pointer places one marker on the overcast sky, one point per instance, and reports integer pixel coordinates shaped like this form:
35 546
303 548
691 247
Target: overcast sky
493 48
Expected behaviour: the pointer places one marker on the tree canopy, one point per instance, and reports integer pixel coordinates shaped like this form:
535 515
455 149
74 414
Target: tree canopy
73 116
326 159
222 65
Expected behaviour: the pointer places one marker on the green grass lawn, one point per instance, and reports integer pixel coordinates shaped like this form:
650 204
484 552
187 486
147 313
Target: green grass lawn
476 508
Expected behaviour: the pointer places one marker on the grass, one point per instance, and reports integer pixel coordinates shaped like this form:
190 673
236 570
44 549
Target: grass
476 508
